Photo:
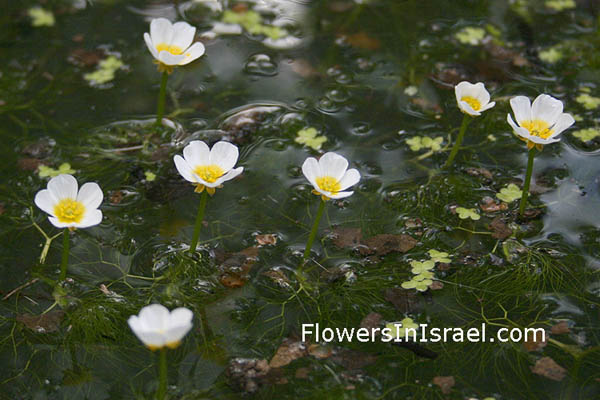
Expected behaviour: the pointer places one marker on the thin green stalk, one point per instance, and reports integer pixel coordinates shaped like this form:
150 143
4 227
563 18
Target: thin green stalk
162 374
161 98
199 219
527 181
315 228
65 255
463 128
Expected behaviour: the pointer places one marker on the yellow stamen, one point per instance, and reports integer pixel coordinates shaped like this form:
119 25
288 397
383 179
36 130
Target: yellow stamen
538 128
209 173
171 48
472 101
328 184
153 347
173 345
69 210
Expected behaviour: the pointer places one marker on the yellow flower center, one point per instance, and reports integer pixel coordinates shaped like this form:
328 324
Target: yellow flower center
472 101
328 184
171 48
209 173
69 210
538 128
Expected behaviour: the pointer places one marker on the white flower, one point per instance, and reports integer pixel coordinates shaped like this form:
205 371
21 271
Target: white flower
330 176
156 327
539 123
208 168
170 43
472 99
68 207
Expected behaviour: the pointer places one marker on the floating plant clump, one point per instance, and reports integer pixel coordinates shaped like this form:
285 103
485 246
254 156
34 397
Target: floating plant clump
173 248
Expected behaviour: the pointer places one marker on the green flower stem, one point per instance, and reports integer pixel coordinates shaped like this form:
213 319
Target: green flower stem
463 127
199 219
162 374
315 228
527 181
161 98
65 255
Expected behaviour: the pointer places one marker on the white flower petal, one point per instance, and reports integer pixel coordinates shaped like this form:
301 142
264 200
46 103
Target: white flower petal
521 107
45 201
227 177
150 45
161 31
54 221
350 178
63 187
488 106
183 35
194 52
224 154
563 122
460 89
196 153
483 95
90 195
466 107
517 129
184 169
334 165
340 195
311 170
154 317
546 108
176 333
170 59
91 218
537 139
181 316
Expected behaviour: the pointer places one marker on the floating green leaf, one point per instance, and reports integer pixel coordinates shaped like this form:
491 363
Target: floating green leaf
560 5
585 135
587 101
419 267
417 143
551 55
150 176
464 213
439 256
252 22
41 17
420 285
45 171
398 329
105 72
510 193
470 35
310 138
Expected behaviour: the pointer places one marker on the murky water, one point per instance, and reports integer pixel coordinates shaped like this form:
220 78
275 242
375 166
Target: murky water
368 76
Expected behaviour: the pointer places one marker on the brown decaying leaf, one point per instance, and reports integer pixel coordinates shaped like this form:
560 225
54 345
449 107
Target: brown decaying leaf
362 40
266 239
247 373
480 172
86 58
353 359
289 351
45 323
320 351
535 342
499 229
371 321
405 301
560 328
347 237
436 285
548 368
387 243
445 383
235 269
503 54
116 197
278 277
29 164
413 223
490 205
302 373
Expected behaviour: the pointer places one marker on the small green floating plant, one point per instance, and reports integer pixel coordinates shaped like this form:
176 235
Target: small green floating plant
537 124
171 46
472 100
330 177
70 208
207 169
160 330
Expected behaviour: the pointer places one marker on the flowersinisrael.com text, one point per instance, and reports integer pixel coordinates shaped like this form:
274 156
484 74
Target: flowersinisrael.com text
422 334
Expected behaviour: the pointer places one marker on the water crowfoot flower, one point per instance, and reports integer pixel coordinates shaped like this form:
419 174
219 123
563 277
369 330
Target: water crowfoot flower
160 329
472 100
171 46
70 208
208 169
537 124
330 177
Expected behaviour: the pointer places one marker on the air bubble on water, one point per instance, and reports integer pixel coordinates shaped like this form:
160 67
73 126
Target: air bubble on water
261 64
